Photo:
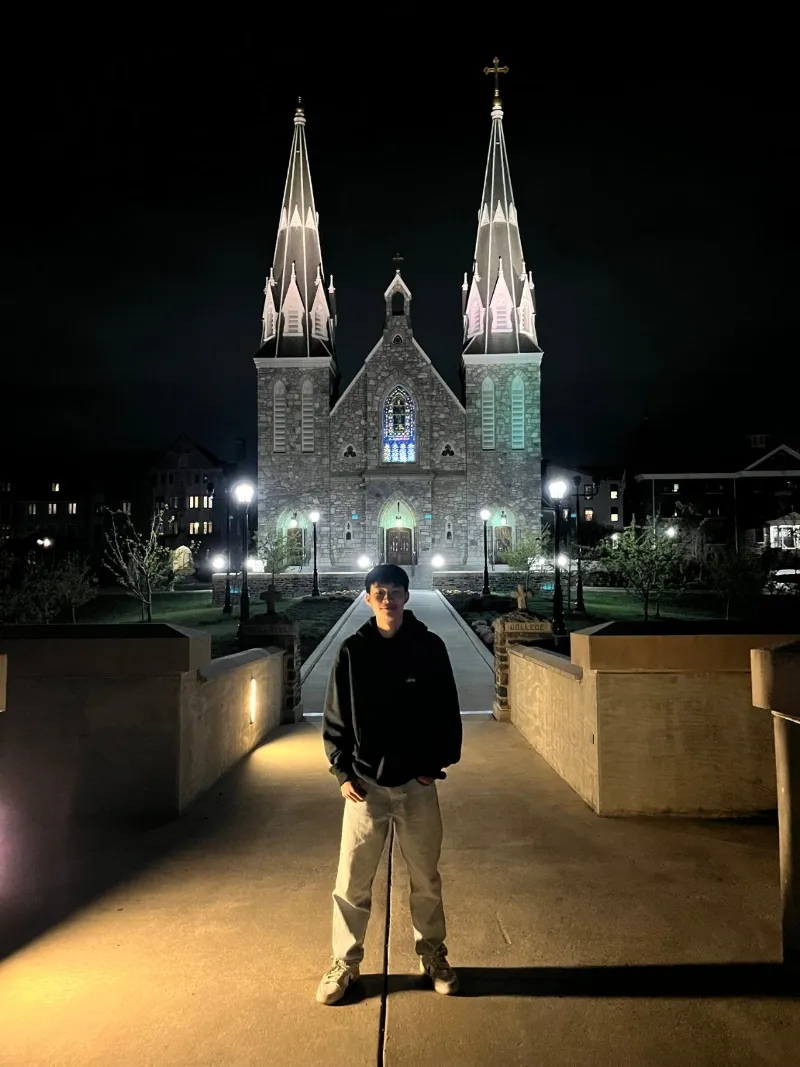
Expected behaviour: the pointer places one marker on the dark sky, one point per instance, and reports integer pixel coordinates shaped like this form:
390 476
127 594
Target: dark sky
147 177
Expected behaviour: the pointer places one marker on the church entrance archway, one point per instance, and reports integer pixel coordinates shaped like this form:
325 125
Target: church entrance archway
503 542
398 533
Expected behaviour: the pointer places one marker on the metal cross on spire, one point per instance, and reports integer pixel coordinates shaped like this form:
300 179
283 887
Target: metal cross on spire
397 259
497 70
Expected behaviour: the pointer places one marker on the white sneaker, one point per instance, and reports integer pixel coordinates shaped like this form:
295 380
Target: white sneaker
444 978
335 982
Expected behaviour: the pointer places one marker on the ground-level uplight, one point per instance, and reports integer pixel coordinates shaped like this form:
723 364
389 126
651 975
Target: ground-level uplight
671 531
218 562
253 698
563 560
364 563
437 561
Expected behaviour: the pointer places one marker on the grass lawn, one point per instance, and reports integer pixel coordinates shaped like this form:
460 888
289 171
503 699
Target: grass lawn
316 615
615 605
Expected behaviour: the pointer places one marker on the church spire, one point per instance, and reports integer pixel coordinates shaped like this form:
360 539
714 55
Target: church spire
499 312
297 318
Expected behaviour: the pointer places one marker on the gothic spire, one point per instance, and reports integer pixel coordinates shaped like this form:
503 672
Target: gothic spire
299 312
499 311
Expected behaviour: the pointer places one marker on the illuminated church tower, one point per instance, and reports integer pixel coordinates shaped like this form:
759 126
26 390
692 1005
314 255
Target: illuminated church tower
501 361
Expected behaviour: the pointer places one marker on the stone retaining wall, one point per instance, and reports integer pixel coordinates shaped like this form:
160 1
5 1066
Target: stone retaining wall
293 584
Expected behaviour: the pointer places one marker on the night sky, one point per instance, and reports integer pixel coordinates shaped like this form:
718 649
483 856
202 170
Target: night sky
147 185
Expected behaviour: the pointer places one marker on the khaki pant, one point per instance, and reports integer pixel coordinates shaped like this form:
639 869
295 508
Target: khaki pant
414 810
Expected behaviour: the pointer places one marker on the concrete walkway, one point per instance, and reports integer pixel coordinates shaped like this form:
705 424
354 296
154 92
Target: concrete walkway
632 943
473 670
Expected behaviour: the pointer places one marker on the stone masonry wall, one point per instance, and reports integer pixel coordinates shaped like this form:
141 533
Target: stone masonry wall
294 480
503 478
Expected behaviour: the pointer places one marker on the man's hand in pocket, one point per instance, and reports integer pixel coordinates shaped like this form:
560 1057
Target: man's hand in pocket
424 780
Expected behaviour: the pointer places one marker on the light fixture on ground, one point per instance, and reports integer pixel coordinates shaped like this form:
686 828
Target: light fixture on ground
218 562
486 515
314 516
671 531
244 494
557 489
364 563
563 559
437 561
45 542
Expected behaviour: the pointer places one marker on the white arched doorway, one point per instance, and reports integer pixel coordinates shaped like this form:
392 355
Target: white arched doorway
397 534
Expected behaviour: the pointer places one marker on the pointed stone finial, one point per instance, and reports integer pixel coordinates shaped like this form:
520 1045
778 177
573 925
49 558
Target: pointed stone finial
464 285
294 273
331 286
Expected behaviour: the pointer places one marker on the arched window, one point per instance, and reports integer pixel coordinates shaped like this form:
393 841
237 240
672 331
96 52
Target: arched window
307 417
399 427
398 303
348 532
517 413
279 417
487 414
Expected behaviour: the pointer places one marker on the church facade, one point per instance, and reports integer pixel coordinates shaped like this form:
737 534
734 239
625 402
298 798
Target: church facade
398 466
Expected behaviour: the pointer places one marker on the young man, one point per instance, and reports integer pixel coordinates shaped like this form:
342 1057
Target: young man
391 723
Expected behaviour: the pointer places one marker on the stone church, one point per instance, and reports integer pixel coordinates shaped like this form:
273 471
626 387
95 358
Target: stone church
399 467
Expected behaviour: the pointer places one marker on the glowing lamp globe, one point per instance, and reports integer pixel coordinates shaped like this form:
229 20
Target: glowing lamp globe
314 516
672 532
557 489
244 492
364 562
218 562
563 560
486 514
293 523
438 561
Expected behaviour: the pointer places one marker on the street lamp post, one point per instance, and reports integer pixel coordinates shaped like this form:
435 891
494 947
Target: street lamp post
557 490
579 605
227 607
314 516
485 515
244 494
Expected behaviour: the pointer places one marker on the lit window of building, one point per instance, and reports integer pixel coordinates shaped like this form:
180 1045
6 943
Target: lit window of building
588 514
194 527
5 487
615 516
208 527
56 487
208 501
194 501
614 492
72 509
52 508
588 491
675 487
399 427
126 507
31 509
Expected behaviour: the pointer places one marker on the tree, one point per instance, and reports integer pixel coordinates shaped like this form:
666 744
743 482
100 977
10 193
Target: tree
273 550
738 578
29 590
76 584
648 561
139 562
531 554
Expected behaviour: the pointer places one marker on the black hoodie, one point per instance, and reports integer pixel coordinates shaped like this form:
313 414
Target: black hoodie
391 710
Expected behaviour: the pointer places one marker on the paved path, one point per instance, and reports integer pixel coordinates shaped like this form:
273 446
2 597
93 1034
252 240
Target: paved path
474 676
579 940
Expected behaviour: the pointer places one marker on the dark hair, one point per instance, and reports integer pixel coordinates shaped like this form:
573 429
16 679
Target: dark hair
386 574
